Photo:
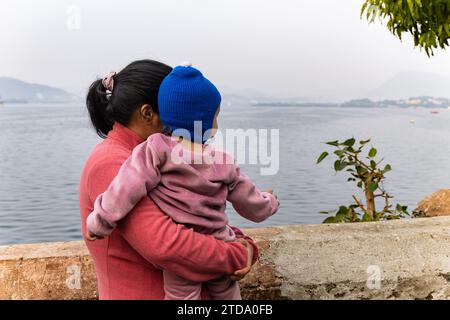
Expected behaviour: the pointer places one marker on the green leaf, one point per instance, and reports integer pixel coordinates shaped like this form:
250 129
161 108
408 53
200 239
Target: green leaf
321 157
366 217
363 142
361 170
410 5
372 186
330 220
350 149
364 7
401 209
349 142
372 152
324 212
360 184
373 164
427 21
333 143
339 165
342 210
392 217
339 153
387 168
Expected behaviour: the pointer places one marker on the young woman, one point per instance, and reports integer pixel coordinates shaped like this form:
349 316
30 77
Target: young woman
128 263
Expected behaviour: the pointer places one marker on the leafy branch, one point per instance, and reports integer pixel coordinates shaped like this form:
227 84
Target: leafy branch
428 21
368 176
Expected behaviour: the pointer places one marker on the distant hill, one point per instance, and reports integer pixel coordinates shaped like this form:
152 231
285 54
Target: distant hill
412 84
16 91
414 102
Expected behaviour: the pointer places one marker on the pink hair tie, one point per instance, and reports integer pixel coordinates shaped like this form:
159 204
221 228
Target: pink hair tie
108 81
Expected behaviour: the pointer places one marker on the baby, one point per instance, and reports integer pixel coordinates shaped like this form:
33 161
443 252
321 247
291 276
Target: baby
188 179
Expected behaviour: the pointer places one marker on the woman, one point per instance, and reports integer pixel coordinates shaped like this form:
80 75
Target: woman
128 263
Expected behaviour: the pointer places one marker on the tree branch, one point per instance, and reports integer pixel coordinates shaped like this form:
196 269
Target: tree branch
360 205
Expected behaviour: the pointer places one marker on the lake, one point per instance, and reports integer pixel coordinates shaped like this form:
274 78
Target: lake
43 150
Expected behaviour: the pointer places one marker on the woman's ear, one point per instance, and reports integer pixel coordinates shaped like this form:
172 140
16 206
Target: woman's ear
147 113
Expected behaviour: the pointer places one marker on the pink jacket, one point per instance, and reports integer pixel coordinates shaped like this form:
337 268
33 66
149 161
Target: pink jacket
192 188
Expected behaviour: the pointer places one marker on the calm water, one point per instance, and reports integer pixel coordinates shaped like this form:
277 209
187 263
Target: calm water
43 150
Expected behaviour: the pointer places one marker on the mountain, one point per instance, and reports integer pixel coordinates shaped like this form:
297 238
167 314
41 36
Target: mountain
14 90
412 84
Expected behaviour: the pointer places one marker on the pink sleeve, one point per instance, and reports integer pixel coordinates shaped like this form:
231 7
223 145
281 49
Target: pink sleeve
250 202
138 175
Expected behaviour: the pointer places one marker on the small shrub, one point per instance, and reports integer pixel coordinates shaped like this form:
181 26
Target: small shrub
369 175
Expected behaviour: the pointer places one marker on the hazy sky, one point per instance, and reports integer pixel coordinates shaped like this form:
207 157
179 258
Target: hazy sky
306 48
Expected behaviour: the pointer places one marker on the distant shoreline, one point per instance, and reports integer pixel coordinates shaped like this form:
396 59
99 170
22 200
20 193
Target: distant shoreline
414 102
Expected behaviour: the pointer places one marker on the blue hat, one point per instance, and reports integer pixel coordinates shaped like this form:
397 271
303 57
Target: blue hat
186 96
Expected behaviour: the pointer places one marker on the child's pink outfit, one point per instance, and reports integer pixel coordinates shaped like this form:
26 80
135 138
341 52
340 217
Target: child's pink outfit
192 188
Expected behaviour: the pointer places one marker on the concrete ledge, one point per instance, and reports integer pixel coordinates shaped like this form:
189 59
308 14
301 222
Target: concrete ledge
408 259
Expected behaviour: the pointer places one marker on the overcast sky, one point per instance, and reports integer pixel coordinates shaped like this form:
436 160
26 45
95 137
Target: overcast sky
306 48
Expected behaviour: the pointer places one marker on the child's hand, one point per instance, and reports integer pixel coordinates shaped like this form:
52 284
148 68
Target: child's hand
91 237
271 192
276 197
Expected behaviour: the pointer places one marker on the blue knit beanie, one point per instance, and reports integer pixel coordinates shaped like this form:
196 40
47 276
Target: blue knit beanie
185 97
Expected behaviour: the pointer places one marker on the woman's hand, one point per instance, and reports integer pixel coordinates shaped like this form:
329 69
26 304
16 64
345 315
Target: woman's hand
91 237
240 274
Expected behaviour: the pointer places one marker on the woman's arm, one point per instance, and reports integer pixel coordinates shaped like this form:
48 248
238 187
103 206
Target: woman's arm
164 243
181 250
138 175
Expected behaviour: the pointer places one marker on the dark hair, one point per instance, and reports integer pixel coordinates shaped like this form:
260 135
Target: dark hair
137 84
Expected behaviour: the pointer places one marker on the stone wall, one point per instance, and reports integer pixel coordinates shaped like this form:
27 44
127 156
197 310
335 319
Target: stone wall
408 259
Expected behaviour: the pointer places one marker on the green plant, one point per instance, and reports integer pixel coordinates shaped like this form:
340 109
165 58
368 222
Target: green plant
428 21
369 177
